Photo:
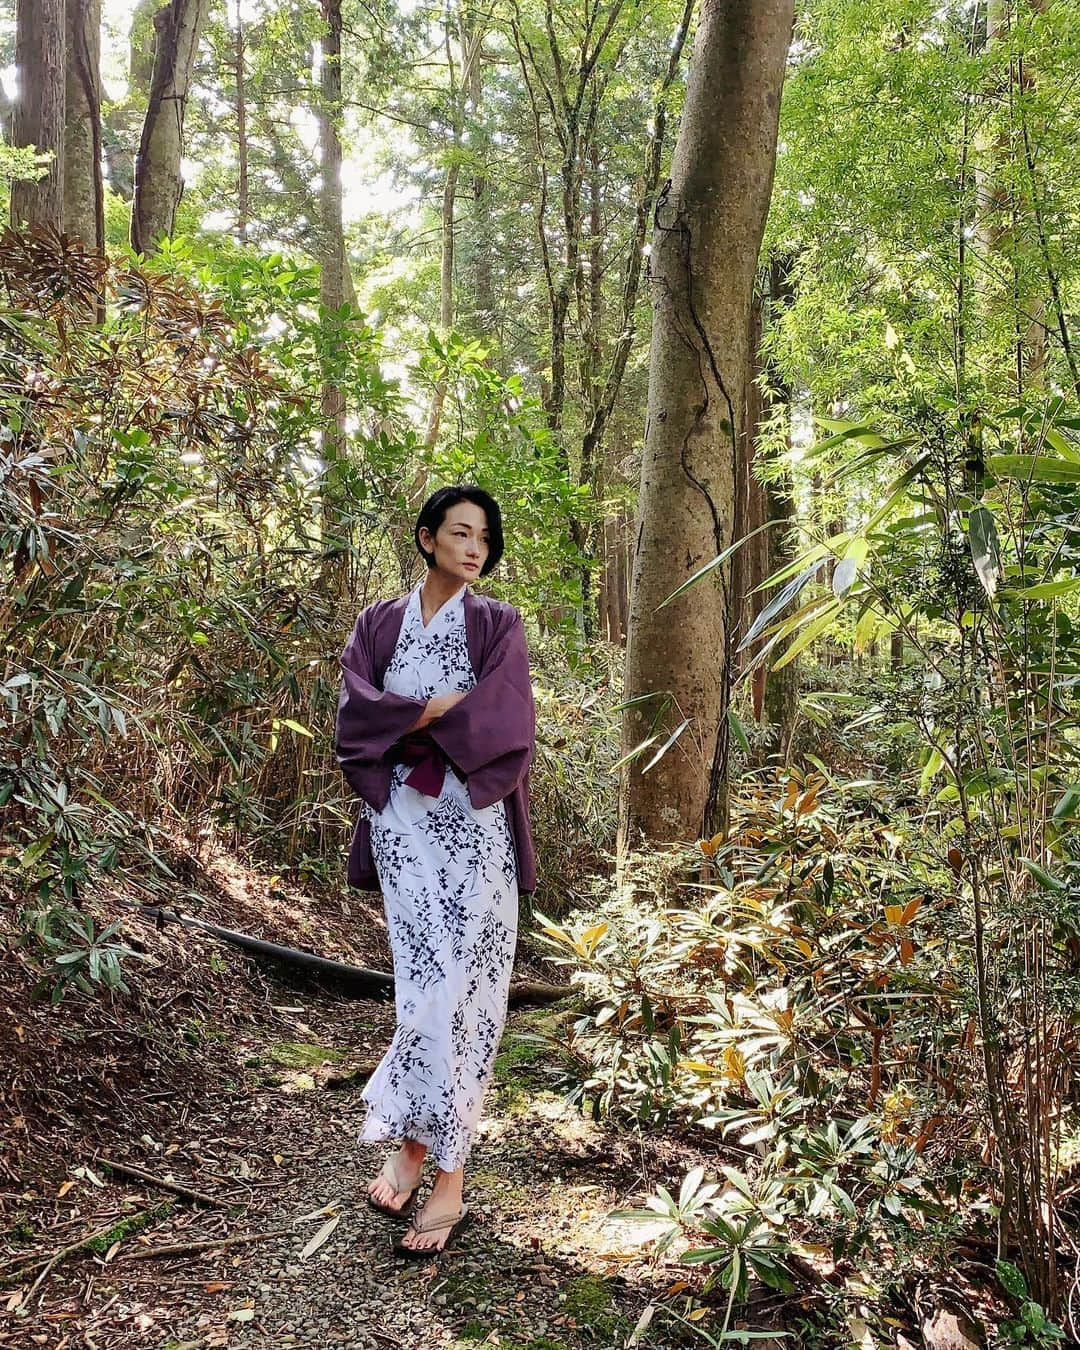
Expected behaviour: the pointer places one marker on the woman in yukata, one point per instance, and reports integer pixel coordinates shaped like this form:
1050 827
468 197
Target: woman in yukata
435 732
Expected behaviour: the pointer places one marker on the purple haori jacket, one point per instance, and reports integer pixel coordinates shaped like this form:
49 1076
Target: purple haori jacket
489 736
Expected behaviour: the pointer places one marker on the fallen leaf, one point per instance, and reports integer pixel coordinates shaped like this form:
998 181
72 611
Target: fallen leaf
242 1315
320 1237
642 1325
65 1187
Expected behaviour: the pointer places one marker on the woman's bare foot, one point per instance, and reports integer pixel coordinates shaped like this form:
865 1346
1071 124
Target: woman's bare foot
407 1165
443 1202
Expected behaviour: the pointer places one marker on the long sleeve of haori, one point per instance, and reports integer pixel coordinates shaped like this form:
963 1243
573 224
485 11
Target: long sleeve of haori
369 719
489 734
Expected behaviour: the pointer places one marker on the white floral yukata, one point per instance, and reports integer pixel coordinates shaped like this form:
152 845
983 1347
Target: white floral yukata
448 877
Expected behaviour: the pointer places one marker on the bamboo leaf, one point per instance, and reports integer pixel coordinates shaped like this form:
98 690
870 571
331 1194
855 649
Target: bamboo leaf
1034 468
667 745
718 561
320 1238
778 603
808 635
985 553
1049 590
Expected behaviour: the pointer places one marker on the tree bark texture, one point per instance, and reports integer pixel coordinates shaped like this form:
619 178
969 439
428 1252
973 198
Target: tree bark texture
40 57
84 214
334 290
158 184
708 223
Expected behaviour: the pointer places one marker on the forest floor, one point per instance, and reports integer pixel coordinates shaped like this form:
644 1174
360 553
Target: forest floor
244 1086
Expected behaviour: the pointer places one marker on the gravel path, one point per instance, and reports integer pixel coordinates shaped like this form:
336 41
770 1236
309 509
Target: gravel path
542 1267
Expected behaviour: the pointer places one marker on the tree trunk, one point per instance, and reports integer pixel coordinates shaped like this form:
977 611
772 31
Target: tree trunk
119 130
781 695
748 566
84 214
41 59
158 184
243 205
709 221
333 292
471 42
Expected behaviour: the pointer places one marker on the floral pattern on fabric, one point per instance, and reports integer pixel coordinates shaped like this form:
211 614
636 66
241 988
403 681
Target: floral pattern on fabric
449 884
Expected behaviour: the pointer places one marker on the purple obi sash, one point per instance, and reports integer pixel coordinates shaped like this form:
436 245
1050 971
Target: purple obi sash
428 762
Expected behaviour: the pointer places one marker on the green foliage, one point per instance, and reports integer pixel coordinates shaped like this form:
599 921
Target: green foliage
1031 1326
170 637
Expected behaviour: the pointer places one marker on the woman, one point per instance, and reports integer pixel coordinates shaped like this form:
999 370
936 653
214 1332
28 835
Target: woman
435 731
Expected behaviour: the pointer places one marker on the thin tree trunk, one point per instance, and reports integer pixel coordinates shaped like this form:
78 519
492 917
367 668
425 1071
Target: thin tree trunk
471 41
122 120
708 226
41 60
781 695
84 213
482 236
243 204
749 562
332 295
158 184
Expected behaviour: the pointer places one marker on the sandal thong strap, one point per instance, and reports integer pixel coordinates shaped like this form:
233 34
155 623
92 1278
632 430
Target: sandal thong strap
433 1225
390 1176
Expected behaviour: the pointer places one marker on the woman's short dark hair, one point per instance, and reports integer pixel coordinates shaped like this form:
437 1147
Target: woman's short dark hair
433 513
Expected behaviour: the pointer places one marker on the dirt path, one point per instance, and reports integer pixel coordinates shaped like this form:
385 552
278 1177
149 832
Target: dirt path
543 1267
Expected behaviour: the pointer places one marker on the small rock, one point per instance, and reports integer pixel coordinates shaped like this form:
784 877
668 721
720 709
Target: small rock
948 1329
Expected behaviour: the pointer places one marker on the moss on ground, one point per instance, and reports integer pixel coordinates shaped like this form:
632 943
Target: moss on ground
303 1054
519 1064
590 1303
132 1223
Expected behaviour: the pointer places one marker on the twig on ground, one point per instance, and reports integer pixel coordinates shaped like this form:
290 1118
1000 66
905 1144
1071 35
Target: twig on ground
10 1274
162 1183
205 1245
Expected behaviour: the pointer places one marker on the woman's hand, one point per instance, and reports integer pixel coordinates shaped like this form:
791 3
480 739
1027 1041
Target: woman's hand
436 707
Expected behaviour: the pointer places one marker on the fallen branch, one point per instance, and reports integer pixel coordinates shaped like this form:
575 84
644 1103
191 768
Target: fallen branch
529 991
204 1245
7 1276
356 980
364 983
162 1183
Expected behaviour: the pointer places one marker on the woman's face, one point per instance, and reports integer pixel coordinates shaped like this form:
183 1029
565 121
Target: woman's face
460 544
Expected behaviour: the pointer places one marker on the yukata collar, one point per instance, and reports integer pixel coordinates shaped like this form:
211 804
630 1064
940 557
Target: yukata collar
414 603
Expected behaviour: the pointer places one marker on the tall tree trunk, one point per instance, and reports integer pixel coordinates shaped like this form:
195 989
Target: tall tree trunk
749 562
333 293
781 696
119 131
158 184
84 212
41 60
471 41
709 220
243 205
